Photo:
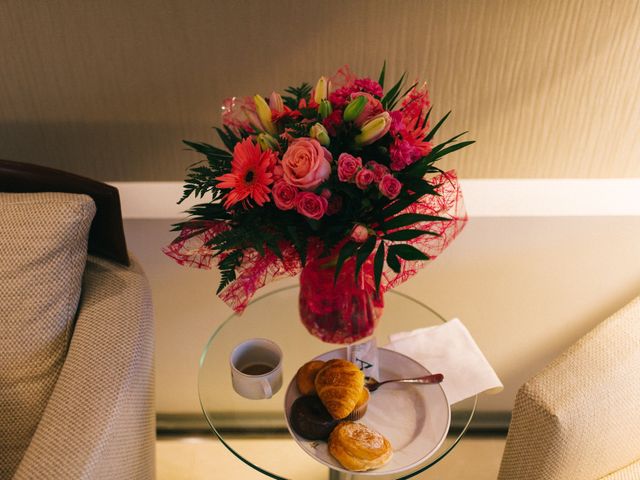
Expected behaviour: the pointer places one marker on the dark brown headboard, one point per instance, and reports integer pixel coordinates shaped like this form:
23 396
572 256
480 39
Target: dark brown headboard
106 237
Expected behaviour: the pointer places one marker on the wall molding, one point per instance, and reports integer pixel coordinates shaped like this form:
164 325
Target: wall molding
483 198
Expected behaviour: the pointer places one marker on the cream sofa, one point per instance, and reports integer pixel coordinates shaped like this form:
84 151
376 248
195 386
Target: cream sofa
579 419
76 348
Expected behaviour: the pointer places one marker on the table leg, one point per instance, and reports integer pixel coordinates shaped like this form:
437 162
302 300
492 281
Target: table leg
337 475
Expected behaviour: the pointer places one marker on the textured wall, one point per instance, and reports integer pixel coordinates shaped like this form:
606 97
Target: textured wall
108 89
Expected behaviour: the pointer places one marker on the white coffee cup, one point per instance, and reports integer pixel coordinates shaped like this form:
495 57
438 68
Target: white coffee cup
256 368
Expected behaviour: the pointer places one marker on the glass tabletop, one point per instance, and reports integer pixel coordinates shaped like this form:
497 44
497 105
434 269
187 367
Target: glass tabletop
275 316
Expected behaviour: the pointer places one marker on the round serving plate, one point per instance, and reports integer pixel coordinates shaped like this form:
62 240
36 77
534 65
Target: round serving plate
414 418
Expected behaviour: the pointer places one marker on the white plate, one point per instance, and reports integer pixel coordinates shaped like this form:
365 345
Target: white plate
414 418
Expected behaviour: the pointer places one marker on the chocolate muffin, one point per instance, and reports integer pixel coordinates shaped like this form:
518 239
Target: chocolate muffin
310 419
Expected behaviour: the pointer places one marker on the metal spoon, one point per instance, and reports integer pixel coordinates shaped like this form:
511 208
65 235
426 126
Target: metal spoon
372 384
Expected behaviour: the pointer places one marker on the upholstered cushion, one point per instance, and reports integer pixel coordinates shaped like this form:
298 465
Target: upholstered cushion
630 472
580 417
43 250
101 418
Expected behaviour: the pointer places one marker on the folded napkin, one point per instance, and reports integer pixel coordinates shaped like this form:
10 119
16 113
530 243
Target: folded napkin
449 349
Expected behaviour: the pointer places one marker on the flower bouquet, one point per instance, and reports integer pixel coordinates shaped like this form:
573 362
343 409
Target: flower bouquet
336 182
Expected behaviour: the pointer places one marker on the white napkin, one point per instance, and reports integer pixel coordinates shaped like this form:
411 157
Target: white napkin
451 350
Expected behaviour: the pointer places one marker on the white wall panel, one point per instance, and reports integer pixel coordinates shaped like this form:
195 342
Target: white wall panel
525 287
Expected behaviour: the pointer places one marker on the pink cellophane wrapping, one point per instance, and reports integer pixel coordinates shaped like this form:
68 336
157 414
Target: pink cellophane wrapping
448 204
257 270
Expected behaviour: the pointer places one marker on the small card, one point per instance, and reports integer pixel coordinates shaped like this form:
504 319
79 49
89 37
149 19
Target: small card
365 356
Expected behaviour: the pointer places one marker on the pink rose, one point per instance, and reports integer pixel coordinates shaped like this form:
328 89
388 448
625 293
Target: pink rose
364 178
359 234
306 164
348 165
390 186
372 108
277 172
284 195
311 205
379 170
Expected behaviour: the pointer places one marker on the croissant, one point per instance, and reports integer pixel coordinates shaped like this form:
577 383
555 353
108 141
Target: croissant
339 385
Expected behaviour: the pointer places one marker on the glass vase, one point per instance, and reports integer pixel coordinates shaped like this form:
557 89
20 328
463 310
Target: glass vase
341 311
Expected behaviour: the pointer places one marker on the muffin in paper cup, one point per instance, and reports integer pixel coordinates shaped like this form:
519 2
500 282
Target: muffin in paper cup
361 406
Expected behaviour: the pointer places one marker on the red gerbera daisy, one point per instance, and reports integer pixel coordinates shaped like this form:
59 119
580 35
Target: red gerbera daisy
251 174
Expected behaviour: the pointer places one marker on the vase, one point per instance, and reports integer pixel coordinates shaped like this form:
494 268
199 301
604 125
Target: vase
341 311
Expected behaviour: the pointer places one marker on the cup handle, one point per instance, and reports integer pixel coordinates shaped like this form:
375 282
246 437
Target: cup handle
266 388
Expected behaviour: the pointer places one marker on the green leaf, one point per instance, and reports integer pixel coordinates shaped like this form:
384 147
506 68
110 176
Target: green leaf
191 224
232 239
407 219
363 253
188 190
421 167
404 235
193 233
298 242
434 169
436 128
378 263
208 150
407 252
420 186
228 138
397 206
431 157
455 137
272 244
209 211
393 262
382 74
426 117
298 93
409 89
227 269
402 203
346 251
313 224
435 150
389 99
453 148
259 247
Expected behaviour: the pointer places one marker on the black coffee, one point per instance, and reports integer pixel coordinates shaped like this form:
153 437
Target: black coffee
256 369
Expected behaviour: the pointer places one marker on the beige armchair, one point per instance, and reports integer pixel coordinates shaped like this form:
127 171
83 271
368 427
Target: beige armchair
76 343
579 419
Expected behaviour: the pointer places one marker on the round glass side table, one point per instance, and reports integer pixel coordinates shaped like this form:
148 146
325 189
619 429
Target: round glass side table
275 316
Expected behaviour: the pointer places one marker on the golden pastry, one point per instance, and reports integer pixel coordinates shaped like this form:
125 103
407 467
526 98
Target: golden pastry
339 385
306 376
359 448
361 406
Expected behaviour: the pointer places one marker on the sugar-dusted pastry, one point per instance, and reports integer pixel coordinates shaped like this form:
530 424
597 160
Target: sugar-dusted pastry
359 448
339 385
310 419
306 376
